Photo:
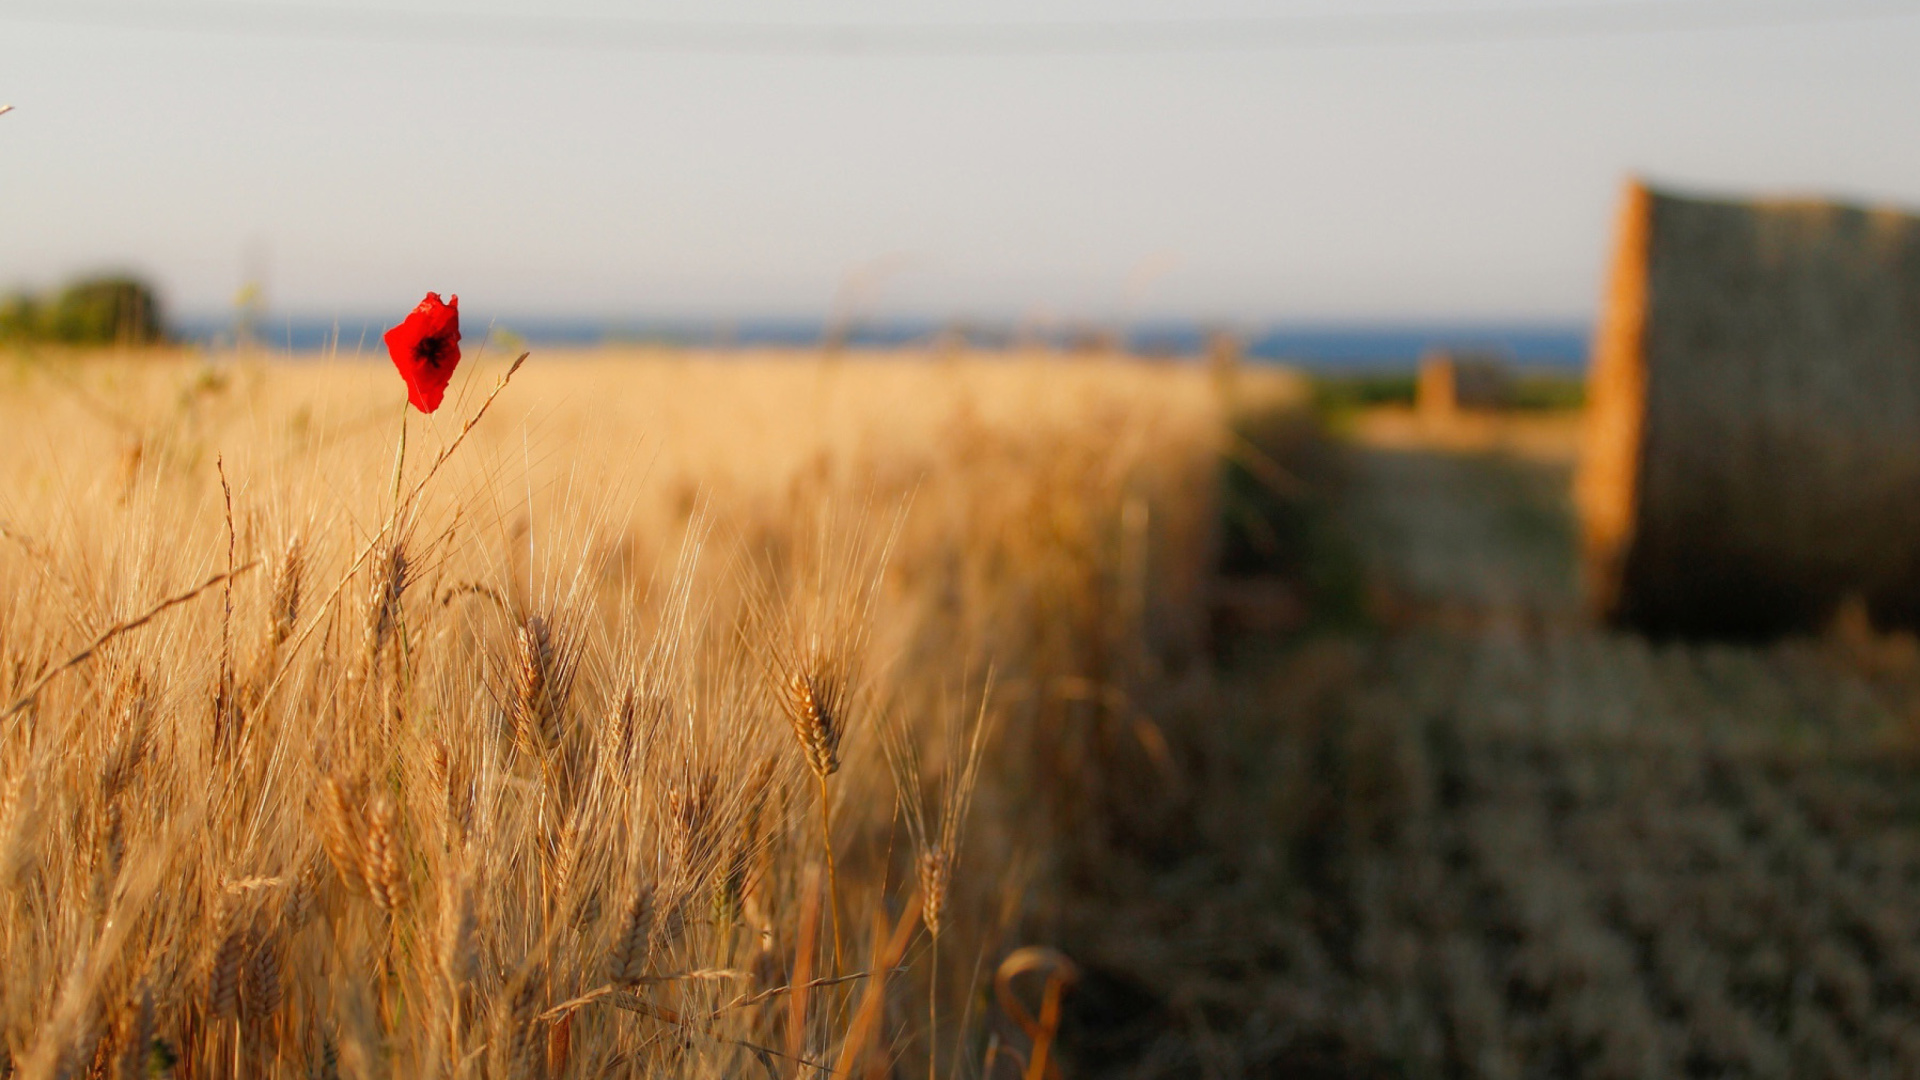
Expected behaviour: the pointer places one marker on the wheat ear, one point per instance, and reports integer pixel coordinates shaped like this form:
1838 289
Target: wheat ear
813 709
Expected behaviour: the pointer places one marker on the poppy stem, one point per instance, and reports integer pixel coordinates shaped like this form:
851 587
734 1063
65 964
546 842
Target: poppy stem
399 458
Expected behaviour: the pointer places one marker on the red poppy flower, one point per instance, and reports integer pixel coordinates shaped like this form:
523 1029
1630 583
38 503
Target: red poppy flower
426 349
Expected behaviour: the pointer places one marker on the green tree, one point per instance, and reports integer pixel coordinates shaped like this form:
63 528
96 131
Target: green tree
103 311
19 318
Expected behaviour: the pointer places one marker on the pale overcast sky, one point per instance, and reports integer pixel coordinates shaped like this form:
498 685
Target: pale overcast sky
1392 159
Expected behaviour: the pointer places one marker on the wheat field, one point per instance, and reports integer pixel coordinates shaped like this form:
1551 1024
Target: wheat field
685 715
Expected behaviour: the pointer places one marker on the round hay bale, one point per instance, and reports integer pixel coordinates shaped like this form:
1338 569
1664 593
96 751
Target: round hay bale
1753 451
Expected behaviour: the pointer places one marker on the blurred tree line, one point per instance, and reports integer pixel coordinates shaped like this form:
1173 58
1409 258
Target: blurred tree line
111 310
1530 390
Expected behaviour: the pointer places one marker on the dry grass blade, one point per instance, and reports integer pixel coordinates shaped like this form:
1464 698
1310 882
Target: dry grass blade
115 631
887 954
772 992
1043 1029
635 1003
798 1000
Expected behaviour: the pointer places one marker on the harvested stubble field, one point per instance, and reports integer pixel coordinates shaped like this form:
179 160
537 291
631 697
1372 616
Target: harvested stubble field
1487 839
513 762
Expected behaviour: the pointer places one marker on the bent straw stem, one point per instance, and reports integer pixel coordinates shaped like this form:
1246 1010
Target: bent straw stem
833 879
115 631
400 458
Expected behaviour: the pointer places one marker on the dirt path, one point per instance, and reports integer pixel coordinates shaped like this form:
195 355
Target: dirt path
1493 841
1482 534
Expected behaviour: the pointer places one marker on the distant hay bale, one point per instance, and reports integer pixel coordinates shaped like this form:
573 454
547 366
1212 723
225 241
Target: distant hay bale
1753 451
1452 381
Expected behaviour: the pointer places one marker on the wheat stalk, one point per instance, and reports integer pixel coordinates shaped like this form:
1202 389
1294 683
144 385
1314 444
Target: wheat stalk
814 705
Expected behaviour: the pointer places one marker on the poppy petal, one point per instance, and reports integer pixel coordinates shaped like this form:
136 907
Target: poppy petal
425 348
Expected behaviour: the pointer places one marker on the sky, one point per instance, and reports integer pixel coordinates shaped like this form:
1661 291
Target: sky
1049 159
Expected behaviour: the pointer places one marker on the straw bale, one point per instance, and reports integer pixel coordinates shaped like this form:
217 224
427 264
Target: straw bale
1753 451
1453 381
